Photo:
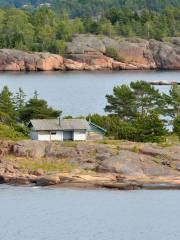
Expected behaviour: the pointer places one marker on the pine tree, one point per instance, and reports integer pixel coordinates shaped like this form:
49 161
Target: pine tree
19 99
122 102
7 104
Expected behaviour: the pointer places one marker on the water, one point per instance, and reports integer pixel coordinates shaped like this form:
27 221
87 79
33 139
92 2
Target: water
79 93
46 214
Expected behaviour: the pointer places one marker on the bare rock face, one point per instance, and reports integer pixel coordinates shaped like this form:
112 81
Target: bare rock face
136 53
121 165
70 65
135 164
28 148
166 55
90 52
5 148
15 60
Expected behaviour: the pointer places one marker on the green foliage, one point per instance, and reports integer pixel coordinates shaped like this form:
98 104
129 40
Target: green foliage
105 27
122 102
147 98
172 102
93 7
112 52
9 133
19 100
15 112
140 97
6 104
176 125
49 29
148 128
17 30
47 166
115 127
37 109
21 129
6 119
135 112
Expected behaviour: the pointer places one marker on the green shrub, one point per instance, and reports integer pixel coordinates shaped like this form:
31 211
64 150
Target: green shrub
9 133
144 128
176 125
21 129
149 128
112 52
116 128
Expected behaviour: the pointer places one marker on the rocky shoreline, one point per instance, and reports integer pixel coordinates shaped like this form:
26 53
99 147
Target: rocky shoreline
113 165
95 53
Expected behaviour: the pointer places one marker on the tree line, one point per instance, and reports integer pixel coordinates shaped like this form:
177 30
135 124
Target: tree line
139 112
79 8
16 112
45 30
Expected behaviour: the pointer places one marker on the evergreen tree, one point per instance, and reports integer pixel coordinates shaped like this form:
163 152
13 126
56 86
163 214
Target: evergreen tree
7 104
19 99
176 126
37 109
175 100
147 97
122 102
140 97
149 128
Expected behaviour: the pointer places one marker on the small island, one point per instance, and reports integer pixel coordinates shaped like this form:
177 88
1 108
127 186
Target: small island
131 147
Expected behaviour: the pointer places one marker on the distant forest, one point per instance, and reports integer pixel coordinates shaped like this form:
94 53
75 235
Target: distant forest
78 8
44 29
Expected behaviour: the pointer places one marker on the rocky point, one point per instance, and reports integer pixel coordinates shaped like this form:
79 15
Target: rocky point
116 164
90 53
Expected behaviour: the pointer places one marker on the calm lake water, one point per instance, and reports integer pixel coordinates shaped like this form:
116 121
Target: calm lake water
51 214
79 93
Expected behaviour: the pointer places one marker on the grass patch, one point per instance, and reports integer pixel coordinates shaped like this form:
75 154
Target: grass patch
109 141
170 141
113 53
135 149
69 144
46 165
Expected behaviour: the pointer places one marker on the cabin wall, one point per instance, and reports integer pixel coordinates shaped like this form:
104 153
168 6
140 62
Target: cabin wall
33 135
57 137
47 136
80 135
43 136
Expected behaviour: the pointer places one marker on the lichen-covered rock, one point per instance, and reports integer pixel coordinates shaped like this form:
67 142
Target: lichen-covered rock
16 60
90 52
136 53
131 163
166 55
28 148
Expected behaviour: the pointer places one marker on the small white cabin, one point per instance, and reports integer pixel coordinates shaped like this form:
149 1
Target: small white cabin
64 130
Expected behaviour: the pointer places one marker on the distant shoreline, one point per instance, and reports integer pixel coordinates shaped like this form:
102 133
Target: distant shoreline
91 53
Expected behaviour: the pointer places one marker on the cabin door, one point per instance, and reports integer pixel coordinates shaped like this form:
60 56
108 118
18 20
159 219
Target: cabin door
68 135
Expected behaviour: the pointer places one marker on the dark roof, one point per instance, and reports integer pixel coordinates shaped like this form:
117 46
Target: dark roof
53 124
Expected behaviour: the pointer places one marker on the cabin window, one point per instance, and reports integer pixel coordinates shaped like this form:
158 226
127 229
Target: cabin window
53 133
